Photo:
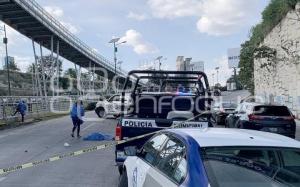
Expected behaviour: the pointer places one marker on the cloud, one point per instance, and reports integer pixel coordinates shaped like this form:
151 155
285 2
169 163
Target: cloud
54 11
58 13
224 73
23 62
224 17
174 9
216 17
135 40
138 17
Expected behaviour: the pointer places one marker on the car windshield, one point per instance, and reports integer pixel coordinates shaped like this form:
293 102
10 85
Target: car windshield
271 111
252 166
229 105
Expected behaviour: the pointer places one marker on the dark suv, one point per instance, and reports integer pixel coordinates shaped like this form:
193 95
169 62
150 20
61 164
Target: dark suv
269 118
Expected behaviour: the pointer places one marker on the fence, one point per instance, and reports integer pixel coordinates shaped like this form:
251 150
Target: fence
39 106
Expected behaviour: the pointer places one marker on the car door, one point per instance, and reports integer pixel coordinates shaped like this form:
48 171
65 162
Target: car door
110 104
240 110
146 159
171 165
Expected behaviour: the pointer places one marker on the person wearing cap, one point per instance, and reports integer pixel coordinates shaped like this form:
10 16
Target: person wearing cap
77 113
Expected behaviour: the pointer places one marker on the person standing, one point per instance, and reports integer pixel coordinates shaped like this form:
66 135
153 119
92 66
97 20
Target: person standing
21 108
77 113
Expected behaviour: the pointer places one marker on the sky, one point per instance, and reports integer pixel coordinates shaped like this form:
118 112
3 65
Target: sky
200 29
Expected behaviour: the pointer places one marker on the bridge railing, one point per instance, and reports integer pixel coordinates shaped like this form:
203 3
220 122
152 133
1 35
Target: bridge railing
55 26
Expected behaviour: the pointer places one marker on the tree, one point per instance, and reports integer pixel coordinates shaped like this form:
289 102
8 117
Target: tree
70 73
50 66
11 64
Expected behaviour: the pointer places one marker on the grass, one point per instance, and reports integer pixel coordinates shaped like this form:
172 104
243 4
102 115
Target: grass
41 117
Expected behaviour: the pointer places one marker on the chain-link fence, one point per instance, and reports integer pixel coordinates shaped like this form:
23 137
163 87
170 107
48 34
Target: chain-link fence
39 106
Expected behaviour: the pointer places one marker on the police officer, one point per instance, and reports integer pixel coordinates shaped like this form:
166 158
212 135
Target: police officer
77 113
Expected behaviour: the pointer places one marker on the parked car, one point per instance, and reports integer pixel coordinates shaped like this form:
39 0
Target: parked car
221 110
111 106
213 157
217 92
271 118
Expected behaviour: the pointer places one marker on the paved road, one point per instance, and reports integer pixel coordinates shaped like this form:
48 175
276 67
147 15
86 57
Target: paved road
235 96
46 139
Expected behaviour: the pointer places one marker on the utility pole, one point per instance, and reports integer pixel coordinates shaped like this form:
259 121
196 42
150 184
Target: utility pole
5 41
217 69
235 78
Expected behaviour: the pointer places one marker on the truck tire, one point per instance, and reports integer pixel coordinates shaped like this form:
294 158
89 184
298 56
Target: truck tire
123 182
100 111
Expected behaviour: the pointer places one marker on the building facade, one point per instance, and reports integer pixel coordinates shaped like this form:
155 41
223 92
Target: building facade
186 64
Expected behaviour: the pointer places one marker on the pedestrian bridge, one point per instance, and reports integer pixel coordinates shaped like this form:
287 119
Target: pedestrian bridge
30 19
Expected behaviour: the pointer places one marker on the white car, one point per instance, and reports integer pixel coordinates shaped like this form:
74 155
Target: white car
112 106
213 157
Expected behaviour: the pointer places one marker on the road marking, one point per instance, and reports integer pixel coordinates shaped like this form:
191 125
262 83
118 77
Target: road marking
83 151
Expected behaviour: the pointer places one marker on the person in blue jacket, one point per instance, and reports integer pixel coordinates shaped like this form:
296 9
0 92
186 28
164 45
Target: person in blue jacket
21 108
77 113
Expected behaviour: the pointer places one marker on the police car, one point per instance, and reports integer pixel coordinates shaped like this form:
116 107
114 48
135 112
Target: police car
111 106
213 157
183 101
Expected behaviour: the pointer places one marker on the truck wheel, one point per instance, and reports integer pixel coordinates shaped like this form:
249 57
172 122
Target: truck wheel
100 112
123 179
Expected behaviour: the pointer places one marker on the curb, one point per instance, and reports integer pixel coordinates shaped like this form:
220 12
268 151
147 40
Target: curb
16 124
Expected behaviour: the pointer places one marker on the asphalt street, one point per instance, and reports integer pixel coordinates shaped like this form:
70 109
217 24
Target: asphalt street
46 139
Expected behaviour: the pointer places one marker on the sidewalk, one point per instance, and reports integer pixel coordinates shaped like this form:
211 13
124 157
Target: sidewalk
28 120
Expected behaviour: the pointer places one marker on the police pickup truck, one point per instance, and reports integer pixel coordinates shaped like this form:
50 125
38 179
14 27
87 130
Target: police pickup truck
182 99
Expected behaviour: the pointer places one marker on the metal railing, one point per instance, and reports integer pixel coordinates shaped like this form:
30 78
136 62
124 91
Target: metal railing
56 27
38 106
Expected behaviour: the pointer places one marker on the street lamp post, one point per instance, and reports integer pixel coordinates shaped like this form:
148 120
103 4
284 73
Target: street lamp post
115 44
120 62
5 41
159 59
159 62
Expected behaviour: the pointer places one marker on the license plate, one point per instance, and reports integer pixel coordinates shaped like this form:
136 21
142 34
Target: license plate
197 125
273 129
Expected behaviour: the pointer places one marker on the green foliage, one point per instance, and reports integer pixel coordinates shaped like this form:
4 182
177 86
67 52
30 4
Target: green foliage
71 73
271 16
11 64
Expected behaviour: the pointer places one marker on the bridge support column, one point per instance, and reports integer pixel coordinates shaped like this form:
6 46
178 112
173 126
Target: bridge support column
52 61
36 72
43 71
57 66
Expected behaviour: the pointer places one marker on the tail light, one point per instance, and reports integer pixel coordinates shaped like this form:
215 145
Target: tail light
118 133
253 117
289 118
